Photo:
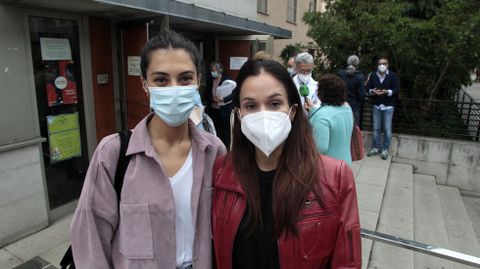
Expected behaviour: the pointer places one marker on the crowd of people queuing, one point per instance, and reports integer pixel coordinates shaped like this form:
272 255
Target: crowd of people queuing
255 175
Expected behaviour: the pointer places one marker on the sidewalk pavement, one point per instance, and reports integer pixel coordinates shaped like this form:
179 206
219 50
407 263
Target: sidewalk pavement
43 249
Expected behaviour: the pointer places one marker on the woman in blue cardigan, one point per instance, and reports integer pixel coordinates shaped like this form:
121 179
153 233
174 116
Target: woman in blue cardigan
332 122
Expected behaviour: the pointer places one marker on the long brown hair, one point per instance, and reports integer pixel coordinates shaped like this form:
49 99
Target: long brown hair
297 169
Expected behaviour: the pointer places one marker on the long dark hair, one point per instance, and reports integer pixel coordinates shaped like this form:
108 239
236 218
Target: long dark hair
297 169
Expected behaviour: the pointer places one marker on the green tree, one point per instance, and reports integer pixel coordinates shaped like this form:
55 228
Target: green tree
433 45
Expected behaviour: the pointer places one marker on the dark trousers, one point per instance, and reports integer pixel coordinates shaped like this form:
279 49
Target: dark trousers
221 120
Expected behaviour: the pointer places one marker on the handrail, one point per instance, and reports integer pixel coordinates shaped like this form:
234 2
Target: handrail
423 248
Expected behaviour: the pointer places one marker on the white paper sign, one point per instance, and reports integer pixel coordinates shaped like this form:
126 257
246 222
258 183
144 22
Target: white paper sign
55 49
237 62
134 66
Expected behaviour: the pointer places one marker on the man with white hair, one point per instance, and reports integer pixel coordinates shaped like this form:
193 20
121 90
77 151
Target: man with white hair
354 80
306 85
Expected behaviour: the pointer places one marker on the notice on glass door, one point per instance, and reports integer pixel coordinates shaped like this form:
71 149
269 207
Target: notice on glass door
60 83
134 66
64 137
54 49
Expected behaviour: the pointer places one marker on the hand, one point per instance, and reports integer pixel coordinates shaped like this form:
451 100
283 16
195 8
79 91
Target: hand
217 99
308 105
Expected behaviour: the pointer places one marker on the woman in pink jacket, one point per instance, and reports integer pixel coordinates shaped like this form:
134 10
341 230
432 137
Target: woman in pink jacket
163 218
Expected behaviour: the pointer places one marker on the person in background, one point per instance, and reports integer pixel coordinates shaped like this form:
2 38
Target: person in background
273 190
354 79
383 88
291 67
200 117
304 63
332 122
220 107
164 215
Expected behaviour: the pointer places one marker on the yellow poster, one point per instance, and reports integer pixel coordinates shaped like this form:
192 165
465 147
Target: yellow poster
64 137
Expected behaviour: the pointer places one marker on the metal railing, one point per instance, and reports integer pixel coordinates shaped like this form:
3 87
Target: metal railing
423 248
456 119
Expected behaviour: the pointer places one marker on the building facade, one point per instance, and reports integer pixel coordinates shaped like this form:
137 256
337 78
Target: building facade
69 73
287 14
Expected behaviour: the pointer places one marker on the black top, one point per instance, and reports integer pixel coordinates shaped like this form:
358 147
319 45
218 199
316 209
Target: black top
355 86
258 250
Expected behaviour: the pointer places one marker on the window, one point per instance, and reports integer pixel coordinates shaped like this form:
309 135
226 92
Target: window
312 5
262 6
292 11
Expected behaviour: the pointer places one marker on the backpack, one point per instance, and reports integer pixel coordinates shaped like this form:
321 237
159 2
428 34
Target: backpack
122 164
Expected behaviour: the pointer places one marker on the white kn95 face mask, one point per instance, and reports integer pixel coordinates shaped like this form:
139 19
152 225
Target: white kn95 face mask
266 129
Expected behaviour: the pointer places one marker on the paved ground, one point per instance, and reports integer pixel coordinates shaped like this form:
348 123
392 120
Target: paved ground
42 250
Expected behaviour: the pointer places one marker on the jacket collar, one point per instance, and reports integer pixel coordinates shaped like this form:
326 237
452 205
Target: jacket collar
225 177
140 140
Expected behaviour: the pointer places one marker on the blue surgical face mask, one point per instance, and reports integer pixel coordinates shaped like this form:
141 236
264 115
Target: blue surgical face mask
173 104
197 99
215 74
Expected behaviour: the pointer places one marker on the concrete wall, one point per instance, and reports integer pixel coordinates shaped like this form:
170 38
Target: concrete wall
23 205
241 8
453 162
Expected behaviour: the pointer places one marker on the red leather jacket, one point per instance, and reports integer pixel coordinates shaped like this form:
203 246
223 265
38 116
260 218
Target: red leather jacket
328 237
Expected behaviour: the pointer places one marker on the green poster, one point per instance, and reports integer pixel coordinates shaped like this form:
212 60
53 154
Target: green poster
64 137
62 122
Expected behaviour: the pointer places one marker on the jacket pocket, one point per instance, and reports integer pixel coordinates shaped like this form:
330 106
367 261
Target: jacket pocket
135 231
353 245
316 236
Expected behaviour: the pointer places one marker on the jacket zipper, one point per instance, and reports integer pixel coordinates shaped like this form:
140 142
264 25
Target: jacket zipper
350 241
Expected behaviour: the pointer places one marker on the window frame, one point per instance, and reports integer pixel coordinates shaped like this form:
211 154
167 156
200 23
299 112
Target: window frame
314 2
290 9
265 10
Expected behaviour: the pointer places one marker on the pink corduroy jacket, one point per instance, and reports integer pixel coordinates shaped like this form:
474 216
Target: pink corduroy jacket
140 233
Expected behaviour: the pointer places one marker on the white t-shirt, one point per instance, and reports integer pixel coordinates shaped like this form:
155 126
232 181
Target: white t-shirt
181 184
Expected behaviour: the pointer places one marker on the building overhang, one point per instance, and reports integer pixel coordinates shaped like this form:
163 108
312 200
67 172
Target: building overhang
203 17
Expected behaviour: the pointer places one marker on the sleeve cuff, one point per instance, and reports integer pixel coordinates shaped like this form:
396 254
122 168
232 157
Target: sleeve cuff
390 93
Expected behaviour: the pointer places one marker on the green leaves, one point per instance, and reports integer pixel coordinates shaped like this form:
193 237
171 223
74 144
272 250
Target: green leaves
432 44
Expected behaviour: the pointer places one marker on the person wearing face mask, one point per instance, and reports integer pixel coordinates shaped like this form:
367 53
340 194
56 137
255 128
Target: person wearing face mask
306 85
273 190
162 218
383 88
291 67
220 107
200 117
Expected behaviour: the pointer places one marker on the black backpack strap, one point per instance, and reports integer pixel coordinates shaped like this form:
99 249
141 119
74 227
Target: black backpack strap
67 260
122 164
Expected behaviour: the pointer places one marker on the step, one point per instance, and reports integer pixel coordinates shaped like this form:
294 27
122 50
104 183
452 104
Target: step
461 235
472 204
396 218
429 224
370 177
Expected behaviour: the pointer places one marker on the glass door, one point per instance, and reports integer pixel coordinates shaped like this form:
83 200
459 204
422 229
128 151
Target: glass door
55 47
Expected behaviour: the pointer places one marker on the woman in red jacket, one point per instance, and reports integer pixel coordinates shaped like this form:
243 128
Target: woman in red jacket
276 202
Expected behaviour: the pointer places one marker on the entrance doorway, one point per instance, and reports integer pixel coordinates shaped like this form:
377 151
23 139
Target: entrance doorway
137 104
